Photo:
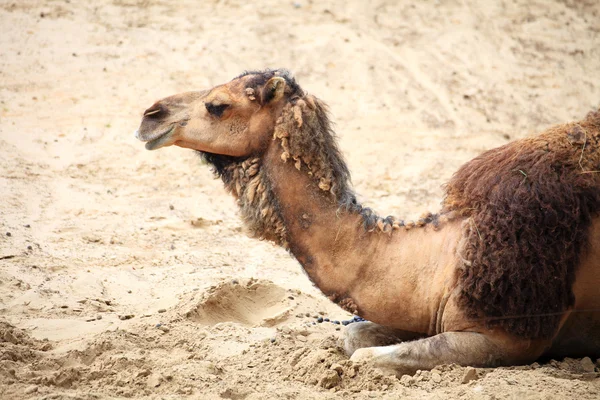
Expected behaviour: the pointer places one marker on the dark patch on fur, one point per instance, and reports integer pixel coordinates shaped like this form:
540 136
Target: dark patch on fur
529 206
576 135
268 94
219 164
435 220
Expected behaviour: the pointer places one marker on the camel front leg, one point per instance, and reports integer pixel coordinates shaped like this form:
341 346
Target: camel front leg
463 348
370 334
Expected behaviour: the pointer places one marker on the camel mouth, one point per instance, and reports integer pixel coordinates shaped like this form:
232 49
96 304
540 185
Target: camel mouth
157 141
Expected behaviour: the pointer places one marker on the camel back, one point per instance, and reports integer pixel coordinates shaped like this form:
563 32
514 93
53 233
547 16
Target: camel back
528 207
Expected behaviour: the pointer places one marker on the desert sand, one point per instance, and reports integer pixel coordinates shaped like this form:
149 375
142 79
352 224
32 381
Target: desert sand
126 273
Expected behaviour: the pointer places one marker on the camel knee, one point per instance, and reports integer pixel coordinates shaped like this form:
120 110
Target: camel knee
356 337
511 350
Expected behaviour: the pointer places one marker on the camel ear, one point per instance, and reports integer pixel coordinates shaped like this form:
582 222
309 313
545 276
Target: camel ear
273 90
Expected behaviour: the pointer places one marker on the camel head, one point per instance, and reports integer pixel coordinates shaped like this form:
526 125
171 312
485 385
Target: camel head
237 122
235 119
236 125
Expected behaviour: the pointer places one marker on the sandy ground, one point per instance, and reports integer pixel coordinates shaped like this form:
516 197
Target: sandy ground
126 273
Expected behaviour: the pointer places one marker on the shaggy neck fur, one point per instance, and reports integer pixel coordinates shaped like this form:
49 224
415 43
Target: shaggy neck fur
307 140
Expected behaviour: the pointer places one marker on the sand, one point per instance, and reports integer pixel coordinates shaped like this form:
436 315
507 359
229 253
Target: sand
127 274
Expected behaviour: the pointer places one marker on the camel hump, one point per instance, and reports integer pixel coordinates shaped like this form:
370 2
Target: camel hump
528 207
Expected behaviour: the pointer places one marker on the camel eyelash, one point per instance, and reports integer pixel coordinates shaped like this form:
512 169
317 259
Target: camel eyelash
216 110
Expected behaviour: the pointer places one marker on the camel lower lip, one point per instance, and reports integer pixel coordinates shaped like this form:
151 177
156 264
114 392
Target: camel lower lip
160 140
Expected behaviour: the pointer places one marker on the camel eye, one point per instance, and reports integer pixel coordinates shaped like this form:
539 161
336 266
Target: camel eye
216 110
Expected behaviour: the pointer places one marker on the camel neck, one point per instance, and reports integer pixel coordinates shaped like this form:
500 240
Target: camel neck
357 259
318 231
352 266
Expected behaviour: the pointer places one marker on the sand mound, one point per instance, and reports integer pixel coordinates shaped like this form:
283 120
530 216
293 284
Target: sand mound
319 362
13 335
18 352
249 302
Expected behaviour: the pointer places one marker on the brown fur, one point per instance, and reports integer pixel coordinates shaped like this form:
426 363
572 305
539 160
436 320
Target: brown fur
258 206
529 206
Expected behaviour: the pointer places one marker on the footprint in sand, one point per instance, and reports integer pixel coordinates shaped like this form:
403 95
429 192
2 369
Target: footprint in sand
250 303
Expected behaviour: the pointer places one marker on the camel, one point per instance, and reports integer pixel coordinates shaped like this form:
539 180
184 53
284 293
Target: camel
507 272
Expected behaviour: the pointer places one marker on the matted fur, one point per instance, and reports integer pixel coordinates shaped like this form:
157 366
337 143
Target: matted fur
246 181
529 206
307 140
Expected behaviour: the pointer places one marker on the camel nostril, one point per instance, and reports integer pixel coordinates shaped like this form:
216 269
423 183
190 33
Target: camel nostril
156 111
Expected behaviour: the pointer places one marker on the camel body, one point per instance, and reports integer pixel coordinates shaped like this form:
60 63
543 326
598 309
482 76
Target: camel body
508 271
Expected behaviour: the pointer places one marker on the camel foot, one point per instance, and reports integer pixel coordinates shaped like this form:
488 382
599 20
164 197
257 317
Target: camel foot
369 334
382 358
